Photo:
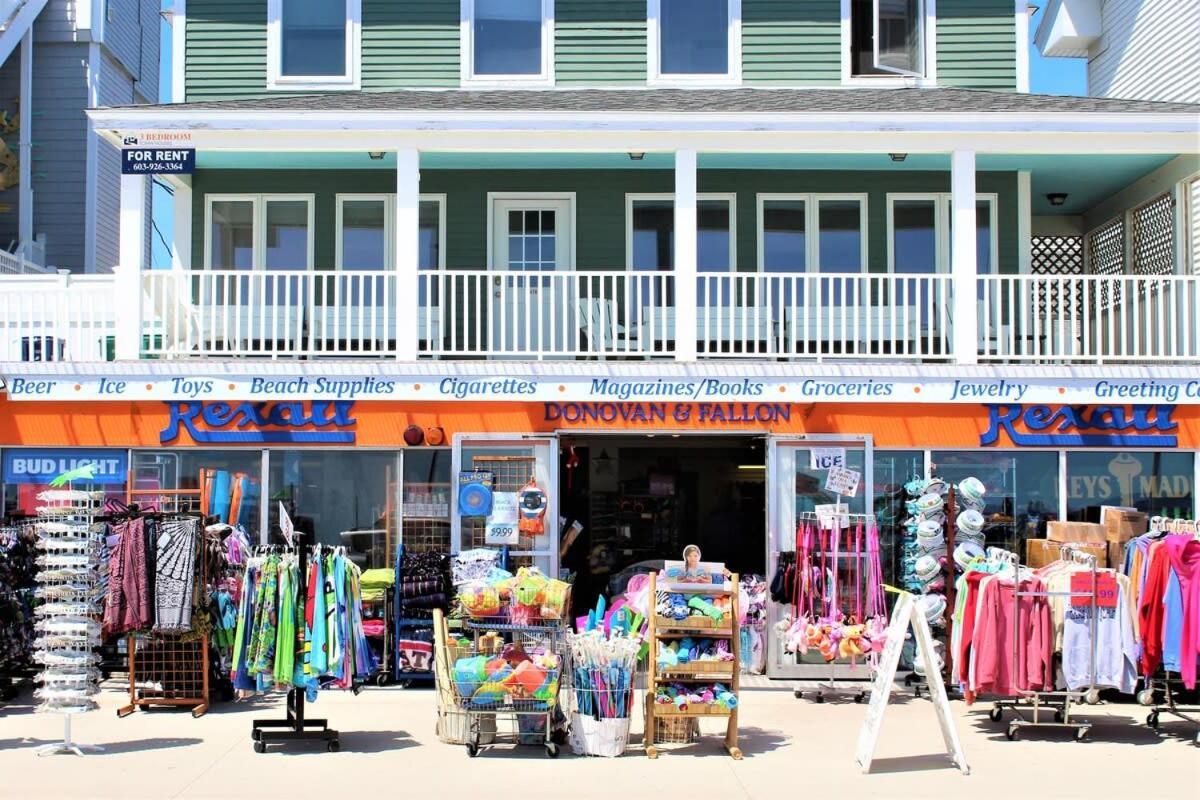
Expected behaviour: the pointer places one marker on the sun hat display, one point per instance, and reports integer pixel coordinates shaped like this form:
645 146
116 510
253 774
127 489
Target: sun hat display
971 490
927 568
929 502
969 521
933 606
934 486
966 552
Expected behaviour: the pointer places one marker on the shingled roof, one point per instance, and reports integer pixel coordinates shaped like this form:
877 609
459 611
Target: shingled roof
691 101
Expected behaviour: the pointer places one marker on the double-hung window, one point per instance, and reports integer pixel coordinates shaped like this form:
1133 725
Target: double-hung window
507 41
313 44
695 41
888 38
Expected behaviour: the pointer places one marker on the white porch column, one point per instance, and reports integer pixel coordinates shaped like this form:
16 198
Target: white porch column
963 266
686 312
407 239
132 260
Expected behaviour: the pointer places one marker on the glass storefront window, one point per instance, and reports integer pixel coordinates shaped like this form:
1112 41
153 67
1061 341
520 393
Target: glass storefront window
892 469
1022 490
338 497
428 500
235 485
27 472
1160 484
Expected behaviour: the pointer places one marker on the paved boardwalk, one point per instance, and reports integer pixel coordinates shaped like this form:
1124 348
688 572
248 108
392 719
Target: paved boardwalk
793 748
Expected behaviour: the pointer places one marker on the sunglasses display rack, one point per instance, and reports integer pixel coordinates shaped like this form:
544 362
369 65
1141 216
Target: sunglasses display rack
68 620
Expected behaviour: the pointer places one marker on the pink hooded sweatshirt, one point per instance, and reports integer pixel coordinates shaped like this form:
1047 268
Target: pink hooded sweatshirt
1184 552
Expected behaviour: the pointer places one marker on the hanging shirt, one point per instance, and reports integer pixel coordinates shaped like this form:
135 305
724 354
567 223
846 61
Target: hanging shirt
1172 623
1184 553
995 636
1116 648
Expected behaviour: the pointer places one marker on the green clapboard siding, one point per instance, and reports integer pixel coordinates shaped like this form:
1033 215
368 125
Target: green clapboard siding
599 41
977 44
599 204
226 49
407 45
791 42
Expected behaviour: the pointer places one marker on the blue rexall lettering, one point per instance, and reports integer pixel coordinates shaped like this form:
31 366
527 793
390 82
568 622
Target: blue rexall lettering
1082 426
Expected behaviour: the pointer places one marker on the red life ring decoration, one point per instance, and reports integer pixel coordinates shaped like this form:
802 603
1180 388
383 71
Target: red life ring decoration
532 503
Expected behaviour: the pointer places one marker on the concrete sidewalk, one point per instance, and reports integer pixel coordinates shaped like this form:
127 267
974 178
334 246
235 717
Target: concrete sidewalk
792 748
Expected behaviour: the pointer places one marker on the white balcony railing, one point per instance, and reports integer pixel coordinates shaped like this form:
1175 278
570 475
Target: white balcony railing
284 313
825 316
530 314
57 317
600 314
1089 318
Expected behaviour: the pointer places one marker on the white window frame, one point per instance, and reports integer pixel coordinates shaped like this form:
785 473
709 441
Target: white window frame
389 227
730 197
568 197
812 221
258 256
467 53
655 75
348 81
930 46
942 206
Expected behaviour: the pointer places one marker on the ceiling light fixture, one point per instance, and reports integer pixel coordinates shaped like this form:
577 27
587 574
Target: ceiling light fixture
376 155
1057 198
897 157
636 156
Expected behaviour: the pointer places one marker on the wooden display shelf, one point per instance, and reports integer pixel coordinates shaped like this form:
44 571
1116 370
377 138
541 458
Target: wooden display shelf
726 672
694 710
697 623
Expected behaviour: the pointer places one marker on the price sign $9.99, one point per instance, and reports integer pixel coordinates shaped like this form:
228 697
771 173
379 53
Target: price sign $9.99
1106 589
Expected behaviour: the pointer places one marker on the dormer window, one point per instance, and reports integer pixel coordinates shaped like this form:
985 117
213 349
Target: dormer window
887 38
313 44
694 41
507 41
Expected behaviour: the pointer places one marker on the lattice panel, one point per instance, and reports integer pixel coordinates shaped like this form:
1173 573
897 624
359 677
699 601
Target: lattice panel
511 475
1057 255
1106 256
1153 234
170 667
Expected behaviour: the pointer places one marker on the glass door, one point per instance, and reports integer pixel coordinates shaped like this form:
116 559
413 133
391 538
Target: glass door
794 488
531 313
513 461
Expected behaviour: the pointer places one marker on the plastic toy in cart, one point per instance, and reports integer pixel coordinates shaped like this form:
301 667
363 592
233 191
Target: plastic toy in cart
527 599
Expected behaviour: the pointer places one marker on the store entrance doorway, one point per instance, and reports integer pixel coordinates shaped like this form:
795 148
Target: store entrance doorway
641 499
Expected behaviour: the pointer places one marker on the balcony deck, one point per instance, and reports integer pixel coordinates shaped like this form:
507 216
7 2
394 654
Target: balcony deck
600 315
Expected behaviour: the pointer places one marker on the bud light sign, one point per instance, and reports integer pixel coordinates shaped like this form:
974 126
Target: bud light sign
39 467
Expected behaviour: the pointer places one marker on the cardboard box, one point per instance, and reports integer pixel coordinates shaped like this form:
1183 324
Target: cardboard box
1074 532
1121 524
1040 552
1116 554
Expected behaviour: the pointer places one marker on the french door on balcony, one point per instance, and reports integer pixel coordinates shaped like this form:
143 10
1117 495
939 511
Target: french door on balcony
530 313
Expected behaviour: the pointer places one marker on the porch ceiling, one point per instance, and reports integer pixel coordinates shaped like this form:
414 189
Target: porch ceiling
1086 179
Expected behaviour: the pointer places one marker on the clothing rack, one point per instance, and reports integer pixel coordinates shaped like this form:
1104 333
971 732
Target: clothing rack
831 685
1057 702
296 726
1163 682
168 669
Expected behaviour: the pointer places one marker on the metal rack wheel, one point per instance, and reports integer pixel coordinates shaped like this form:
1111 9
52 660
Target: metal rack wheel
381 680
861 696
996 714
1058 715
1152 719
1081 734
260 746
472 749
552 750
796 693
1092 697
1146 697
819 697
1011 733
334 745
